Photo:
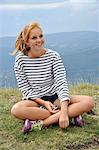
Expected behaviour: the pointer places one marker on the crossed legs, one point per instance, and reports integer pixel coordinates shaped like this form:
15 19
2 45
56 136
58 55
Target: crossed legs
29 109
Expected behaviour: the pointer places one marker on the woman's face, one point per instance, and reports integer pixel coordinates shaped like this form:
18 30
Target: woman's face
36 40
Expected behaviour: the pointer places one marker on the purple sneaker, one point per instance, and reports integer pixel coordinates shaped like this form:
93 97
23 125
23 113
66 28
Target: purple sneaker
32 125
79 121
27 126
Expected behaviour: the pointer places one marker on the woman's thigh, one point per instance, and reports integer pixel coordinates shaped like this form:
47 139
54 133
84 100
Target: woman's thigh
79 98
26 103
73 99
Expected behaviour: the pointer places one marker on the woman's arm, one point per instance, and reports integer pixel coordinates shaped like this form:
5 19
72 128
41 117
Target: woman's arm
60 78
22 81
40 101
61 89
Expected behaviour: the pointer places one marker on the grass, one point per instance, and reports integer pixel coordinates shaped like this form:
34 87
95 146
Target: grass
53 138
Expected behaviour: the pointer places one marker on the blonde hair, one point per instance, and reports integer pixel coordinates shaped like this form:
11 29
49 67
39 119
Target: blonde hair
20 44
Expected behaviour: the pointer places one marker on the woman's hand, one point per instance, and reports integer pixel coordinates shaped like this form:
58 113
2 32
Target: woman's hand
63 120
50 107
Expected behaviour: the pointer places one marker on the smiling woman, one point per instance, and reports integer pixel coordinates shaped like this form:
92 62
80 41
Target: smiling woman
41 77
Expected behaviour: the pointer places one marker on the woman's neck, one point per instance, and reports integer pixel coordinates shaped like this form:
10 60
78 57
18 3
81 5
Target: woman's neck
33 54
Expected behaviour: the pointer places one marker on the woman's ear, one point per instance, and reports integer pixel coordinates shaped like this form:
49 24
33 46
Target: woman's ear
27 43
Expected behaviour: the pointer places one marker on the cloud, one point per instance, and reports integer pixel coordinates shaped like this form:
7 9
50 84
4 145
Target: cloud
30 6
82 1
74 4
83 6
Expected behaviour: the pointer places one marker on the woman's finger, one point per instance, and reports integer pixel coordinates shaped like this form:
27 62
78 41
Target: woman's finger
63 124
55 111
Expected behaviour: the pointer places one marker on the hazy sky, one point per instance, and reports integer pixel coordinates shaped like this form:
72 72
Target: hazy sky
53 15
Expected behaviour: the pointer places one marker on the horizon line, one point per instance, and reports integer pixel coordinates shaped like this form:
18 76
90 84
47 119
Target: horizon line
56 33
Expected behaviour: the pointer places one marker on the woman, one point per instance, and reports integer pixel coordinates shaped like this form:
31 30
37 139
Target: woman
41 78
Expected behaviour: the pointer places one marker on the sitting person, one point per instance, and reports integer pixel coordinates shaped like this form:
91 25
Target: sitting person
41 77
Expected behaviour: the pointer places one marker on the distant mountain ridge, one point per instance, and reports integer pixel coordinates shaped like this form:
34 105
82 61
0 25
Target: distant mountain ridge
79 51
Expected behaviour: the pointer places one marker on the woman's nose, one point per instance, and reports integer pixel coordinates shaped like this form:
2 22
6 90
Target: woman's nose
38 39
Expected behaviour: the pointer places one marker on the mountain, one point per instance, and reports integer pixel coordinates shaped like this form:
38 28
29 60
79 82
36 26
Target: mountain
79 51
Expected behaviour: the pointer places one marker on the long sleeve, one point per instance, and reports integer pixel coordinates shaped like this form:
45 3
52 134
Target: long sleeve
22 81
60 78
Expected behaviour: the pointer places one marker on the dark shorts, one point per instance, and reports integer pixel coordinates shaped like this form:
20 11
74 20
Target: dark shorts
51 98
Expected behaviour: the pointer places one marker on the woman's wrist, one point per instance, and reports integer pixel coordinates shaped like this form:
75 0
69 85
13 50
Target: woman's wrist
40 101
64 107
43 103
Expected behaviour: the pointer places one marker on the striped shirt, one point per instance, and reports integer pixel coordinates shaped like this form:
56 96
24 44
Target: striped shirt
42 76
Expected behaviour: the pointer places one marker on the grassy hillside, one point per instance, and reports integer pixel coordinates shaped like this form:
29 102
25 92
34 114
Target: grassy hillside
53 138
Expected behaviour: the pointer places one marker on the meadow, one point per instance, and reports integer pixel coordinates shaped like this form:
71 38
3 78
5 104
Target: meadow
52 138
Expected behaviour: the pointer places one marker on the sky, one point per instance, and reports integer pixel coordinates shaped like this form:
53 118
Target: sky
53 15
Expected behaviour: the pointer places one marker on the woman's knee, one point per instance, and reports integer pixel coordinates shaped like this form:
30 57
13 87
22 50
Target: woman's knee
89 102
15 110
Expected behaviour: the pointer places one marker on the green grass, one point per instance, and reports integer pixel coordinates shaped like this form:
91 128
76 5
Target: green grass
53 138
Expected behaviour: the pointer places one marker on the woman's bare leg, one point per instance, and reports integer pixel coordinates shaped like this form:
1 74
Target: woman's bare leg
79 104
27 109
52 119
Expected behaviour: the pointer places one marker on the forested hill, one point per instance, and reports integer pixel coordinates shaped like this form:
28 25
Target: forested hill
79 51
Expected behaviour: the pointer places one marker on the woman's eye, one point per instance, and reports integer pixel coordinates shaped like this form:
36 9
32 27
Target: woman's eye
34 37
41 35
